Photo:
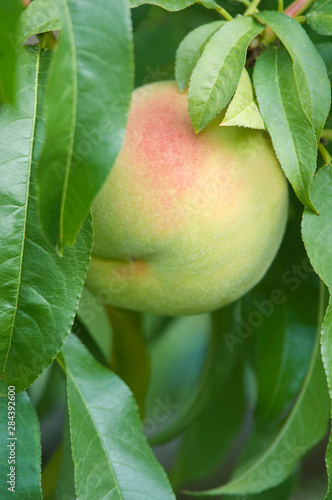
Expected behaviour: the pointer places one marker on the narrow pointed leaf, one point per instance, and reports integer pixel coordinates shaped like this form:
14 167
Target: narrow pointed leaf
309 69
317 236
40 290
175 5
243 110
299 432
88 97
107 439
9 16
191 49
292 133
218 71
39 17
27 450
320 17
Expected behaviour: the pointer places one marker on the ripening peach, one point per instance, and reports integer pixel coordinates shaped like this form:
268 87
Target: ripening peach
185 223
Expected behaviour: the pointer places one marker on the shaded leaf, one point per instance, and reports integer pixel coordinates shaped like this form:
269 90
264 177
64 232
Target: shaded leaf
190 50
39 17
40 290
88 97
243 110
279 449
129 358
27 450
218 71
175 5
207 439
108 444
292 134
65 488
9 16
325 50
317 236
308 66
320 17
174 401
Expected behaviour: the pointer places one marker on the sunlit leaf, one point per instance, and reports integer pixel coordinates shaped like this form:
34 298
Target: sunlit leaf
292 134
243 110
108 444
190 50
310 72
218 71
39 289
88 97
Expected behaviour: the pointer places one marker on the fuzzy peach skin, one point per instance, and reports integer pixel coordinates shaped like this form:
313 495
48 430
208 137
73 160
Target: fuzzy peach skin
185 223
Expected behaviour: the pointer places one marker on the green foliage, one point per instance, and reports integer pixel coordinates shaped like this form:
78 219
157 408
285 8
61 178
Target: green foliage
41 16
284 446
27 449
191 49
85 125
320 17
225 52
308 67
174 5
317 235
219 406
33 313
292 134
235 403
111 450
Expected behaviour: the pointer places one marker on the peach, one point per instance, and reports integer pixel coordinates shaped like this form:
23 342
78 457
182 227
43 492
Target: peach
185 223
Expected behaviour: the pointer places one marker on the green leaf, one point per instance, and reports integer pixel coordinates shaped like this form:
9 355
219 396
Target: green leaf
88 97
279 450
107 440
9 16
130 359
27 450
175 5
39 17
284 335
179 397
39 289
243 110
218 71
191 49
317 237
309 69
320 17
207 440
281 492
325 50
292 134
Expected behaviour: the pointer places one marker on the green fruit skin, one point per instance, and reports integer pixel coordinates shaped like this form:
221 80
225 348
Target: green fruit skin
185 223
